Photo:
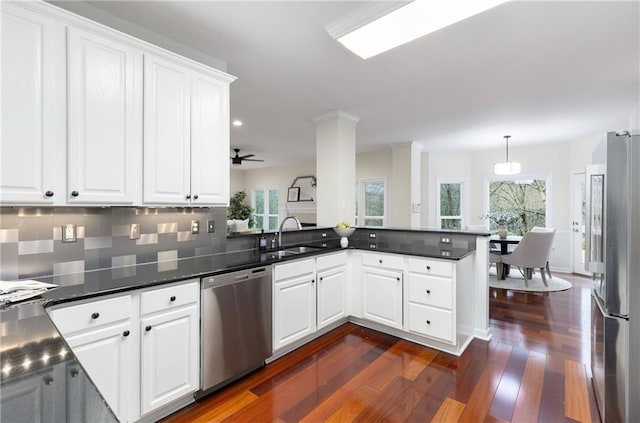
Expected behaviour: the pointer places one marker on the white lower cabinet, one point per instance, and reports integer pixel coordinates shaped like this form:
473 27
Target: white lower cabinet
169 356
331 289
141 350
382 296
294 302
431 299
34 399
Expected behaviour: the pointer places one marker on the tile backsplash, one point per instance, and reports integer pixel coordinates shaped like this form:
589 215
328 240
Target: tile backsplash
31 238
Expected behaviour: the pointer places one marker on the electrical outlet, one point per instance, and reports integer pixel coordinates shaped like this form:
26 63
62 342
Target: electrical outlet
445 240
211 226
69 233
373 246
134 231
195 227
324 235
372 235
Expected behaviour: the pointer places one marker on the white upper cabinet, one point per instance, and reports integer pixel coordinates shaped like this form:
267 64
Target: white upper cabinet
105 120
186 139
209 140
167 132
94 116
32 147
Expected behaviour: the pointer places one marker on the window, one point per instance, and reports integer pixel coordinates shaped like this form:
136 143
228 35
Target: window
265 207
451 209
371 194
518 204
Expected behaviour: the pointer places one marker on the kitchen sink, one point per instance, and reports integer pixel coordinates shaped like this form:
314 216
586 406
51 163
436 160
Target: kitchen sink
282 253
301 250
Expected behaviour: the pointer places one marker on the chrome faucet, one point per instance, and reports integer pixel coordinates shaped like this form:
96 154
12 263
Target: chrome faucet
282 224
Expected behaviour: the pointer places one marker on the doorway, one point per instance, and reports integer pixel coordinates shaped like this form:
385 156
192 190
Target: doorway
578 213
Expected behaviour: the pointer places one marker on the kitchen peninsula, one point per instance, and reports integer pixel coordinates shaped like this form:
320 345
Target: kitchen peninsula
374 254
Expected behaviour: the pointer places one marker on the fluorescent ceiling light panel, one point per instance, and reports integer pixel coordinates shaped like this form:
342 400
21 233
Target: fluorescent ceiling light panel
409 22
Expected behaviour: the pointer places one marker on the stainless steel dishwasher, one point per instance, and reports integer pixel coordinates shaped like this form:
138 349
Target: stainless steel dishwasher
236 326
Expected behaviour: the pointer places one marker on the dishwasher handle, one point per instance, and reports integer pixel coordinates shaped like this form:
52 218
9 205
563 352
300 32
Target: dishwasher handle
236 277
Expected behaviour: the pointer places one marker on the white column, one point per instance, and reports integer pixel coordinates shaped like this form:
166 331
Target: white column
404 186
335 167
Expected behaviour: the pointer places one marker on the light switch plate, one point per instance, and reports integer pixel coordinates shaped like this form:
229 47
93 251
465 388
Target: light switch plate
211 226
372 235
195 227
445 240
69 233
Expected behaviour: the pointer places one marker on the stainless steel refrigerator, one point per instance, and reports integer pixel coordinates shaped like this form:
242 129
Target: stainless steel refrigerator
613 258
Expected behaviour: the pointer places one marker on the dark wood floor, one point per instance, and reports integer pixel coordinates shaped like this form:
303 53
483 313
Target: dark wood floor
535 368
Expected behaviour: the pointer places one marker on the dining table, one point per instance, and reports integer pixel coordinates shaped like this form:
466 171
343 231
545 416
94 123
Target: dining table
504 249
505 242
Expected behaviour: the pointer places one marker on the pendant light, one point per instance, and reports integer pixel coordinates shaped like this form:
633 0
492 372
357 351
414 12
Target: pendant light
507 167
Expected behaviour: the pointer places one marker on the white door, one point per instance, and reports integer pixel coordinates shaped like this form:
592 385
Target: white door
331 296
382 296
209 141
294 309
170 357
107 355
105 120
33 139
578 223
167 168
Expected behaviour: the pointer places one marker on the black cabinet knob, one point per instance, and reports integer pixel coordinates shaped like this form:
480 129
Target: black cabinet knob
173 298
48 381
49 193
147 329
428 291
428 322
380 261
321 279
313 280
74 193
74 373
188 196
95 315
428 267
398 279
126 333
195 197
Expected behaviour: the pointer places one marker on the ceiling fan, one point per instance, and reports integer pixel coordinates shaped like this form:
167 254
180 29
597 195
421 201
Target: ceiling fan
237 159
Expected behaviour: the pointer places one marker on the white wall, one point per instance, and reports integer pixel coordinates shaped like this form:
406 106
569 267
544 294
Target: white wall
374 164
280 177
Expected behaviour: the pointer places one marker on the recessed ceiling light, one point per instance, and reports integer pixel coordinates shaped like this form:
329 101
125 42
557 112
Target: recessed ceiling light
236 122
368 37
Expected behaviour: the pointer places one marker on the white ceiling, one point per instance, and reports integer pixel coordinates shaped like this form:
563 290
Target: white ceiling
542 71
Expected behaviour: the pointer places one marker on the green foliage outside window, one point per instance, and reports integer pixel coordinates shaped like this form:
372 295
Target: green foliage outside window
517 206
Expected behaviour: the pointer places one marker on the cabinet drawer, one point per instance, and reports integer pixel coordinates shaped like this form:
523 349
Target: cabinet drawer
431 267
331 260
431 322
91 314
386 261
429 290
295 268
169 297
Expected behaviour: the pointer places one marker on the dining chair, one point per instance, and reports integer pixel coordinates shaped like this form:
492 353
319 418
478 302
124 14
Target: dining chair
531 253
541 229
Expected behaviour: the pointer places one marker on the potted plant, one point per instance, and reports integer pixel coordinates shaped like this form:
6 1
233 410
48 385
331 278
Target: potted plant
238 212
503 219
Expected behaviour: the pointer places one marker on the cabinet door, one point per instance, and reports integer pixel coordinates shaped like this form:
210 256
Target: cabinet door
209 141
166 132
294 309
331 296
32 144
382 296
108 356
33 398
105 120
170 356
